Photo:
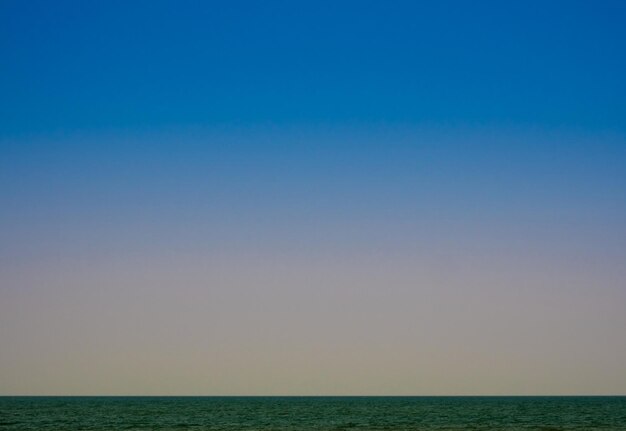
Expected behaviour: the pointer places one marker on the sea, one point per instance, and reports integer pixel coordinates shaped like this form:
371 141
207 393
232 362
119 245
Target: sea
313 413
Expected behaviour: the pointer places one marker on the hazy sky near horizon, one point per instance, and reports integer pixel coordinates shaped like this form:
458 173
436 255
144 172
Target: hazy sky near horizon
312 198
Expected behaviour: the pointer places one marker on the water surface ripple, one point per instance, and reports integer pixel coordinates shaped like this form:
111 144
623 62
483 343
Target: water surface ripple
313 413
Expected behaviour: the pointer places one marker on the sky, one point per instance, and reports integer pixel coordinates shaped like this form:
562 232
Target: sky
312 198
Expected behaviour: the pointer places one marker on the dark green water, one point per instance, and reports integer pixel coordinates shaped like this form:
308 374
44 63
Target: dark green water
313 413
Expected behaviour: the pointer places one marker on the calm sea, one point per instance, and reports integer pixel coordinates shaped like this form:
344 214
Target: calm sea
313 413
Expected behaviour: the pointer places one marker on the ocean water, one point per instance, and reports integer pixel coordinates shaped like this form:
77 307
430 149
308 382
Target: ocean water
313 413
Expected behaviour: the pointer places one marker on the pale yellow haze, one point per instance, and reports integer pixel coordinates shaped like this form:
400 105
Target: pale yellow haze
354 323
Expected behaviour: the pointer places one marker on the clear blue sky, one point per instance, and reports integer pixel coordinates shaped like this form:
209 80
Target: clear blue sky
94 65
312 197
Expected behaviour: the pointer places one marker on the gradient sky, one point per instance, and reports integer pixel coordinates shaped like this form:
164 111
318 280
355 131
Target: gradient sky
305 198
